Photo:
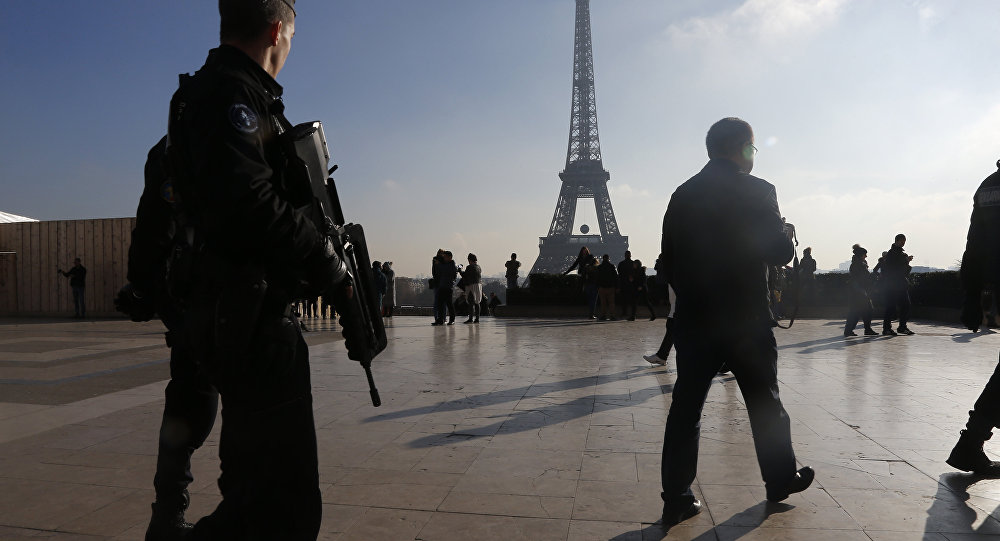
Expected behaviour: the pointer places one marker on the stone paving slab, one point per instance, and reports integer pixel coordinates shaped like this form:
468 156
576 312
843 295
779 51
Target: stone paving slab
515 429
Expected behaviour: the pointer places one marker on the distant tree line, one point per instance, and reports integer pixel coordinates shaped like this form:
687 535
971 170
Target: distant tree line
417 292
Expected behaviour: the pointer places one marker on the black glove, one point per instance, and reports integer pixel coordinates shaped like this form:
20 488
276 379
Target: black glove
972 310
134 304
324 268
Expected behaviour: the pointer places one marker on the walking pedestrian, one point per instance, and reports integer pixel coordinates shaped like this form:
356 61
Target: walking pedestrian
721 231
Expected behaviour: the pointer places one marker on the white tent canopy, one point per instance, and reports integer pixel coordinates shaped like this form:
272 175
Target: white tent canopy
8 218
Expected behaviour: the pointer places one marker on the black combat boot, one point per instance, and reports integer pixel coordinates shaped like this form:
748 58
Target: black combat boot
167 523
968 454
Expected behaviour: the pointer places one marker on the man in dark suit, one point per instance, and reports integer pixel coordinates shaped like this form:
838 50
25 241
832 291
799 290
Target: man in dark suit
721 232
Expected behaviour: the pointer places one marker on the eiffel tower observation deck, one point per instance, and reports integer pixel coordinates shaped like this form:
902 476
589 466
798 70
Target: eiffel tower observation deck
584 176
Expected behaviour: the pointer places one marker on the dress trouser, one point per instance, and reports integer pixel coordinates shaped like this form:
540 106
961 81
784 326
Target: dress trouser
668 340
590 293
642 295
79 306
270 478
896 296
607 296
188 416
751 353
985 415
442 299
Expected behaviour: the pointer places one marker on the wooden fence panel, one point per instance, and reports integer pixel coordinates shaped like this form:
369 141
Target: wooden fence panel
8 283
29 284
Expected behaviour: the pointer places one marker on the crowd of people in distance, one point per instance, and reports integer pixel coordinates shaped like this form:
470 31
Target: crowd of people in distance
889 275
322 307
602 281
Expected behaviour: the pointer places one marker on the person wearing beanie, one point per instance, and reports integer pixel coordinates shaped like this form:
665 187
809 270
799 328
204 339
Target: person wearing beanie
859 296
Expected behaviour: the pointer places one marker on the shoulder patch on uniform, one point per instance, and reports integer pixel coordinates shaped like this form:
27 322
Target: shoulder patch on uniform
988 197
167 192
243 118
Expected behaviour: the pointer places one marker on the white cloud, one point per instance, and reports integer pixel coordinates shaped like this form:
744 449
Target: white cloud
624 192
765 20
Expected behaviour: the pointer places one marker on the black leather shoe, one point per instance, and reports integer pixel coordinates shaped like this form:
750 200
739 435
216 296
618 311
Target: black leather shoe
672 515
850 333
803 478
905 330
888 332
871 332
968 455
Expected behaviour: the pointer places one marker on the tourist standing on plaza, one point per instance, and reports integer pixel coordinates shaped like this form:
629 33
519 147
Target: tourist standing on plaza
895 266
806 276
191 401
607 281
381 283
445 272
250 249
586 265
389 300
511 274
721 231
859 294
626 289
473 278
980 270
640 290
78 283
435 278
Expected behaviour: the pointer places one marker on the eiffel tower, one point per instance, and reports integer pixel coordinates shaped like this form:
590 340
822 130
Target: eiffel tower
584 176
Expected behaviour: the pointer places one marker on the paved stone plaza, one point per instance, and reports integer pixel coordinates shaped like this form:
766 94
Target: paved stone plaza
514 429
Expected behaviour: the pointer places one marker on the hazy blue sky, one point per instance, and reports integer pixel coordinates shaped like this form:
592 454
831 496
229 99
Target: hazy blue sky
449 118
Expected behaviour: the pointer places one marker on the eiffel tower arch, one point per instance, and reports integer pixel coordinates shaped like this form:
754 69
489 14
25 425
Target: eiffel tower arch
584 176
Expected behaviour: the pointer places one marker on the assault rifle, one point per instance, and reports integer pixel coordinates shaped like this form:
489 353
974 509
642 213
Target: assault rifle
361 316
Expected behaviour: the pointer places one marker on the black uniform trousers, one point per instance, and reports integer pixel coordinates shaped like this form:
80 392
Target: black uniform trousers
750 351
896 296
191 403
270 478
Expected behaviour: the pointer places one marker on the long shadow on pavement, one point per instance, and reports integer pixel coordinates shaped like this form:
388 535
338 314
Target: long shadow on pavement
950 514
737 525
534 418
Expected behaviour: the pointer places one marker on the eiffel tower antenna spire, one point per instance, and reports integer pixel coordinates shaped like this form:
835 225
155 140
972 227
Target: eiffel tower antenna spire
584 176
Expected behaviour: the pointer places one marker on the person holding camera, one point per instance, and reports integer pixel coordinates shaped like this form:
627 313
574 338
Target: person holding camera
78 283
721 231
472 277
895 267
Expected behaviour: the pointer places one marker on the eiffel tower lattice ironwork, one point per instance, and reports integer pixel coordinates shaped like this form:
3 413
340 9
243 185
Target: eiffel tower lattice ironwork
584 176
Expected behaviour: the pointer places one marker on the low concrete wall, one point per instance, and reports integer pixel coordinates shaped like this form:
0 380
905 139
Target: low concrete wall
944 315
